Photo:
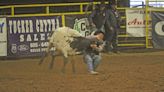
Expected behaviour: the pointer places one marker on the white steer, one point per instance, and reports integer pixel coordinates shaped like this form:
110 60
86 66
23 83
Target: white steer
66 41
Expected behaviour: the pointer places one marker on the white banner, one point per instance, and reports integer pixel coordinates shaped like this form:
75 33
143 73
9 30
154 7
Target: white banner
135 23
81 26
3 37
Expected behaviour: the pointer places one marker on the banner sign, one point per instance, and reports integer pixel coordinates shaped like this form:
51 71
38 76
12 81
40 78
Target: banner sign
3 37
135 23
28 36
79 23
158 29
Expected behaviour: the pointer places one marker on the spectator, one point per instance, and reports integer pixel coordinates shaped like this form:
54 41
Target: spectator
111 36
98 17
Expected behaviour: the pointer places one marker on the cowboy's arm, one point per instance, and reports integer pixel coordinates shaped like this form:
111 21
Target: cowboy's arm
97 47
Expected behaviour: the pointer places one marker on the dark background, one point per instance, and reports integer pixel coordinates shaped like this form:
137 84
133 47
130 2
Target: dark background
17 2
37 10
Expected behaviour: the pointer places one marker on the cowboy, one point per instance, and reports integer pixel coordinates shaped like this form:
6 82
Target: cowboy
92 56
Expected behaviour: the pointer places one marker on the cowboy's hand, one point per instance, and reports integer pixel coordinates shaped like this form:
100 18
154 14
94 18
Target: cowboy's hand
93 25
94 46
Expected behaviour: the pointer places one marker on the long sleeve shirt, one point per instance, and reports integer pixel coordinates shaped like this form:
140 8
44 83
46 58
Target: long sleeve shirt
94 41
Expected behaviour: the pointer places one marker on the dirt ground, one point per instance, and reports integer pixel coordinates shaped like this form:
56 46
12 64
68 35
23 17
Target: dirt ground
124 72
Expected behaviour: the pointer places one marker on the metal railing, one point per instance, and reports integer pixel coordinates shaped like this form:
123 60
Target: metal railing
80 9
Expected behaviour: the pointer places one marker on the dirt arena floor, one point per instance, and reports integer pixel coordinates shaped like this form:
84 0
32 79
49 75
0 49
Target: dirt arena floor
124 72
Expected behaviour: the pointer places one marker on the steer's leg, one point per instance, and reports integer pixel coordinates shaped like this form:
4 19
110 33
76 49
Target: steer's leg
73 64
45 54
42 58
65 63
65 59
53 55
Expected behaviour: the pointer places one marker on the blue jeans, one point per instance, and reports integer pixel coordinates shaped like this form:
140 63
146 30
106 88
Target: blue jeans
92 61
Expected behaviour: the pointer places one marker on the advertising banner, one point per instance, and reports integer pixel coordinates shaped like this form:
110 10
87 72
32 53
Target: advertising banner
135 23
28 36
158 30
3 37
79 23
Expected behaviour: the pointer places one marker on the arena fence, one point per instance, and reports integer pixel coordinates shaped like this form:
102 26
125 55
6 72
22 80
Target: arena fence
77 10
